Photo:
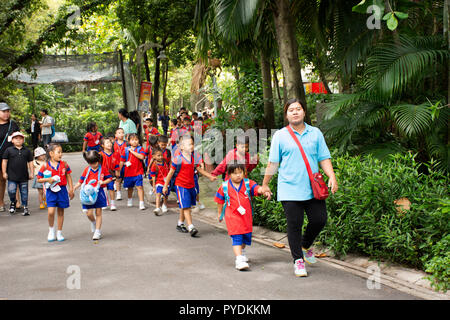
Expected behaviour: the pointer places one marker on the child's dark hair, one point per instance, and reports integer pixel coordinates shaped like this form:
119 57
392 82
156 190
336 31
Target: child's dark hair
104 139
51 147
91 126
92 156
118 129
153 140
156 150
149 120
242 140
174 122
163 139
232 167
132 135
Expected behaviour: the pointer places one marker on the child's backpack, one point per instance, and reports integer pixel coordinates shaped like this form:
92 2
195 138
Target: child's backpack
172 181
53 127
227 197
89 194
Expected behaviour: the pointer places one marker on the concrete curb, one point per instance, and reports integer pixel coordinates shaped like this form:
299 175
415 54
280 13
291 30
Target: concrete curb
403 279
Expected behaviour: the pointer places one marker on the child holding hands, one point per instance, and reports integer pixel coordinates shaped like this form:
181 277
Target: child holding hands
185 163
238 211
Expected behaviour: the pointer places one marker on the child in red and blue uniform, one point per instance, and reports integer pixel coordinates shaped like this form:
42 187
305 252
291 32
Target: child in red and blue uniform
239 154
94 159
118 148
131 158
185 163
57 195
110 165
238 211
150 130
92 138
158 172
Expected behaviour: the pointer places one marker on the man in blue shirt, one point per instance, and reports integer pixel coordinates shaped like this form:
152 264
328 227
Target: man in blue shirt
294 187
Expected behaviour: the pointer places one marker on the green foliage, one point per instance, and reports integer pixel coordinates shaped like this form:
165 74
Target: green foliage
439 263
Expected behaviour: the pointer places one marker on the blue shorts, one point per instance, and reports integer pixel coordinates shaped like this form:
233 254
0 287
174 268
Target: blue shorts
131 182
100 203
58 199
239 239
96 148
186 197
159 189
110 186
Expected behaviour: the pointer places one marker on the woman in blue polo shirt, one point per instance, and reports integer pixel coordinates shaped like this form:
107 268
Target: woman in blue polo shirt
294 187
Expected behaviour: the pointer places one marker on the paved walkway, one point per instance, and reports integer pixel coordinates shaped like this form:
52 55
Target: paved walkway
141 256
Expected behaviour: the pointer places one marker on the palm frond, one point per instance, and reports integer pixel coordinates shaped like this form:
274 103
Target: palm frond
233 17
393 66
412 120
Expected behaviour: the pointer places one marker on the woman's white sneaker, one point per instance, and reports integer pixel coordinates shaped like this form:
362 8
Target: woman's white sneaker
299 268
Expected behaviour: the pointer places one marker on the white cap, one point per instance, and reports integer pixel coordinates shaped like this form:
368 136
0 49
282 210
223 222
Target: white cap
15 134
39 151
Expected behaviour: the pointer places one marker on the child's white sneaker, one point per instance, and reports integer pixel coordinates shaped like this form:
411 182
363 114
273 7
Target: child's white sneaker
113 207
118 195
164 208
130 202
241 264
51 235
97 235
59 236
151 191
157 211
141 205
201 206
245 256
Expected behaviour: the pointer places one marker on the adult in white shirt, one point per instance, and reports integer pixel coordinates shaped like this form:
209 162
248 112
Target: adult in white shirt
46 128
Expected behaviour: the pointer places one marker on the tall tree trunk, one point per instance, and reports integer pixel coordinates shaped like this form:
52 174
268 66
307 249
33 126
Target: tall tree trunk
269 113
447 37
288 51
147 68
166 75
275 81
156 83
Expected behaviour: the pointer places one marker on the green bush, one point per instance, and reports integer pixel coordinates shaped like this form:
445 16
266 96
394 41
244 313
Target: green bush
362 216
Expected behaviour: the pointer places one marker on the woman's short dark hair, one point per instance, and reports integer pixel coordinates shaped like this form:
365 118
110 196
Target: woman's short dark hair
291 101
44 111
124 112
92 156
233 166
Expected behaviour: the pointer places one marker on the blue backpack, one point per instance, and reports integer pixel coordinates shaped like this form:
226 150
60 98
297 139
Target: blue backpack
227 197
89 194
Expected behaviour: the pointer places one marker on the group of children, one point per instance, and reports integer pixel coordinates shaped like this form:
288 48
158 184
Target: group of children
113 161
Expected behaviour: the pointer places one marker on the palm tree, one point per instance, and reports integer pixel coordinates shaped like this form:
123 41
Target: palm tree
263 22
